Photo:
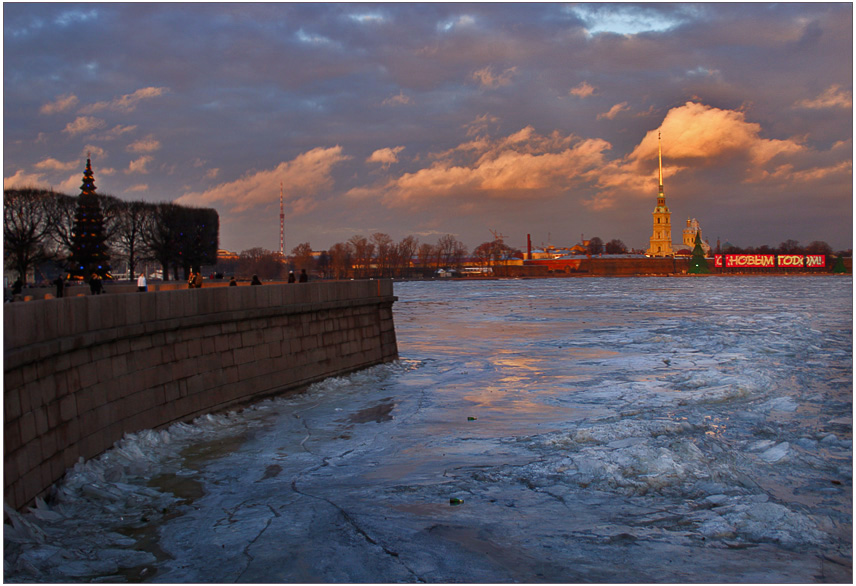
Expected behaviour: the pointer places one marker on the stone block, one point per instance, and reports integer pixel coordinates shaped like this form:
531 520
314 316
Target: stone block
67 408
244 355
11 403
194 348
251 338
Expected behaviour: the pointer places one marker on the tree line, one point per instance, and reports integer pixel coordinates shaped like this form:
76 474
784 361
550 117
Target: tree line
359 257
786 247
39 224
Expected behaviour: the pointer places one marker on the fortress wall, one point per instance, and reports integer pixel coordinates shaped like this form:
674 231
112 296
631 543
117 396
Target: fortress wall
80 372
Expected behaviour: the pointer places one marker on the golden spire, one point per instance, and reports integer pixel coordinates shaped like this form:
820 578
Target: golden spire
660 154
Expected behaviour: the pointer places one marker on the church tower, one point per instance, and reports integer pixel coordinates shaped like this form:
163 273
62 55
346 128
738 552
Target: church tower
661 237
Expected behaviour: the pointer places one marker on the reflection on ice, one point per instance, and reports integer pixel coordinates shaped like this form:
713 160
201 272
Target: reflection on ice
696 430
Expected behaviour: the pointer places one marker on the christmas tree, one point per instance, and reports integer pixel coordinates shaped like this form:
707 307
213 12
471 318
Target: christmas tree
698 264
89 253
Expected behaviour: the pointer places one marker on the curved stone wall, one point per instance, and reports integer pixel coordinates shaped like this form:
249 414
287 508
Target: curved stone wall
81 372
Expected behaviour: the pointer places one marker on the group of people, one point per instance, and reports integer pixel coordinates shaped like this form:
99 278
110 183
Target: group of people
303 276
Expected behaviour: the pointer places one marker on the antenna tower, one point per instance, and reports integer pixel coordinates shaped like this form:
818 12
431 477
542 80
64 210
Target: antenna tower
281 224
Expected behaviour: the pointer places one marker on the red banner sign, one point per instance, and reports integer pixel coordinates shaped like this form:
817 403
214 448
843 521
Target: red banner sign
790 260
769 261
750 260
815 260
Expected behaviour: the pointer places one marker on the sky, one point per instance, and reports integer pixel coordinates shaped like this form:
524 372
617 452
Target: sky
428 119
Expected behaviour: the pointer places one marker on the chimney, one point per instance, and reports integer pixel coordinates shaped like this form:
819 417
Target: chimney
528 247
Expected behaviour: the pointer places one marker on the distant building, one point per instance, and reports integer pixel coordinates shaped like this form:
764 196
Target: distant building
660 243
693 228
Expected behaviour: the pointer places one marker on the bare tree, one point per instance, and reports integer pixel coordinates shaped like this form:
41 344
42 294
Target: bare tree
427 257
383 251
301 256
451 252
403 256
26 228
363 253
340 259
128 233
263 263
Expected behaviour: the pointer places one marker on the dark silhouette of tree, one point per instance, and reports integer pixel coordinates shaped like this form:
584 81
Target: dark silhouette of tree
266 264
450 252
790 247
26 228
180 237
404 252
132 222
615 246
818 247
362 256
341 260
383 244
595 246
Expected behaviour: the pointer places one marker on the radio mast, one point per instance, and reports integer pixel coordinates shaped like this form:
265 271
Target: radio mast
281 224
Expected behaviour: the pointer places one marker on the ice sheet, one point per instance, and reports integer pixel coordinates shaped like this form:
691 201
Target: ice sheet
695 430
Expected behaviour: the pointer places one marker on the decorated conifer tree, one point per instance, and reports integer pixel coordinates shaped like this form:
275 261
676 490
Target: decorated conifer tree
698 264
89 254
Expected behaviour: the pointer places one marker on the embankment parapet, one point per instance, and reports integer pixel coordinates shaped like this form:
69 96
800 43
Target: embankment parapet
81 372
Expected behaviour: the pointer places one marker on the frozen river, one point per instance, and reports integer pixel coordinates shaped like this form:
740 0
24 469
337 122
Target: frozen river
559 430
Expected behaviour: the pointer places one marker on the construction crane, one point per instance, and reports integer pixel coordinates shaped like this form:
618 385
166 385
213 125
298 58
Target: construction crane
497 235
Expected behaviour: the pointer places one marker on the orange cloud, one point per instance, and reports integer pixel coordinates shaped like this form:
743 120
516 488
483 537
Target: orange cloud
306 174
832 97
582 90
487 78
84 124
522 165
126 103
61 104
22 179
385 156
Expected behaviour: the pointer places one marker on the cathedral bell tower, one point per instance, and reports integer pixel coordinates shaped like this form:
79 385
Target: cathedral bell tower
661 238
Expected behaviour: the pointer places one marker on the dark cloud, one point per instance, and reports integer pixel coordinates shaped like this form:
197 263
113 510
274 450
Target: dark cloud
371 109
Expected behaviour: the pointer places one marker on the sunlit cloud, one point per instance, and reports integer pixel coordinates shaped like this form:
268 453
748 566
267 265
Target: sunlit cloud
487 78
61 104
144 145
126 103
582 90
23 179
117 131
84 124
385 156
305 175
139 165
832 97
522 165
399 99
695 136
137 188
51 164
614 111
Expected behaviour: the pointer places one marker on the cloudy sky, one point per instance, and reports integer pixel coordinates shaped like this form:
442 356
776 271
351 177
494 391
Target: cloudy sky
428 119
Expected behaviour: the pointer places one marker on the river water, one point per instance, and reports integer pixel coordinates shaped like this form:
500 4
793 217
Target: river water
554 430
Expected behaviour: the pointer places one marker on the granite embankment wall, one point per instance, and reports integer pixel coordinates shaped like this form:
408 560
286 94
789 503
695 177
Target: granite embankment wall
80 372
